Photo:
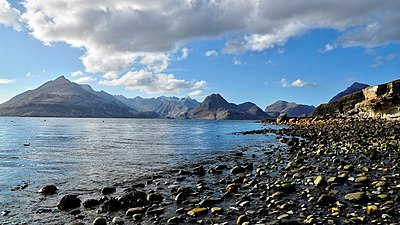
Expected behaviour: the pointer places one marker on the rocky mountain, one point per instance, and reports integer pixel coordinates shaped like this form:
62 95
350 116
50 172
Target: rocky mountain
291 109
215 107
165 107
376 101
63 98
355 87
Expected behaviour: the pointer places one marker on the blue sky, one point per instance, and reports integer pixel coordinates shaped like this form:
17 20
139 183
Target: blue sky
247 50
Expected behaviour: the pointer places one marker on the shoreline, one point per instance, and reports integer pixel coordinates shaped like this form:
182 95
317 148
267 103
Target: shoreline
343 172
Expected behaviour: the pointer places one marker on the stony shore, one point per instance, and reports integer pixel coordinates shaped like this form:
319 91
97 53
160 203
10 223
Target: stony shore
339 171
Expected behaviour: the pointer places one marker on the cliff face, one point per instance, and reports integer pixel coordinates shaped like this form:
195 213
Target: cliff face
376 101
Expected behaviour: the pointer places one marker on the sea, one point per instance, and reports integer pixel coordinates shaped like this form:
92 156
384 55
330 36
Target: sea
80 155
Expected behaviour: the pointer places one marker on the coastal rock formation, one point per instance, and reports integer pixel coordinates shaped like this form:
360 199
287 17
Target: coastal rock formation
355 87
215 107
376 101
63 98
291 109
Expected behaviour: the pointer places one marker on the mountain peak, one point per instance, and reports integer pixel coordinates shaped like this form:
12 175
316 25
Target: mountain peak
355 87
61 79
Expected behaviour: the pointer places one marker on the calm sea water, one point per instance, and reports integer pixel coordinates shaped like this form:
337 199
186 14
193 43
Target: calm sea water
84 154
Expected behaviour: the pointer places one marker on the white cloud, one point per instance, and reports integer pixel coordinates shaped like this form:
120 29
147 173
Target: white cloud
124 36
77 73
29 74
117 34
155 62
9 16
297 83
237 62
6 81
185 53
148 82
328 47
379 60
211 53
85 79
196 93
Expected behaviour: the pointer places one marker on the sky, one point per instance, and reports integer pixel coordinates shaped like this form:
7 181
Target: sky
246 50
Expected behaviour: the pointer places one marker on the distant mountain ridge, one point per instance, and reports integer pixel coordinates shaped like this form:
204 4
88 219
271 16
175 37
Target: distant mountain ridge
63 98
165 107
350 90
291 109
215 107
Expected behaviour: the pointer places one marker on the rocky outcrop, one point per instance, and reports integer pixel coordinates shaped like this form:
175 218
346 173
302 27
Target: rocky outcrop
355 87
291 109
215 107
376 101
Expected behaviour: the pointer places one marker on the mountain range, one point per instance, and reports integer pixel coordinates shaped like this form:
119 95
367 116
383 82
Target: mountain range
291 109
215 107
63 98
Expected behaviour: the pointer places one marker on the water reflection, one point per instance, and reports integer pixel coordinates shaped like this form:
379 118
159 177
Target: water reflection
80 154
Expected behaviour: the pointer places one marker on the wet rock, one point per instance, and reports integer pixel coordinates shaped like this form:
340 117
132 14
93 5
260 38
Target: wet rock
232 188
175 220
287 188
356 197
181 197
197 212
156 211
216 210
326 200
137 217
108 190
133 211
91 203
242 219
133 199
154 197
380 183
100 221
118 221
238 169
320 181
210 201
372 209
69 202
112 205
221 167
199 171
362 180
48 190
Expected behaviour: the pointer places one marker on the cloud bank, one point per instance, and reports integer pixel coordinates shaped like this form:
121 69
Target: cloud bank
9 16
148 82
126 36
